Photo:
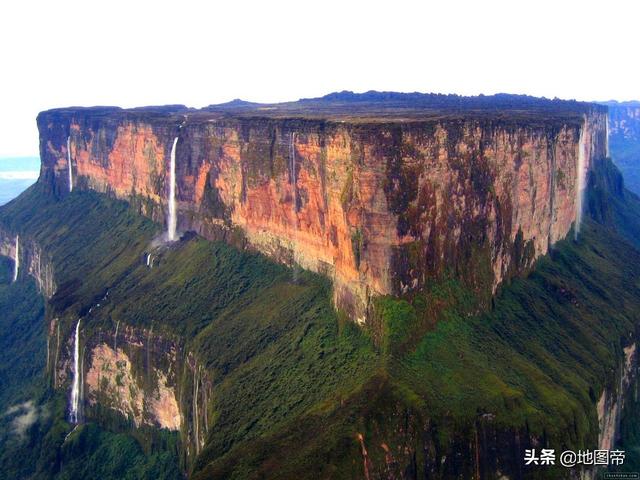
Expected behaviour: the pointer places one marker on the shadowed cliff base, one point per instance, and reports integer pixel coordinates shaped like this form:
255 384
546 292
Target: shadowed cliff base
293 391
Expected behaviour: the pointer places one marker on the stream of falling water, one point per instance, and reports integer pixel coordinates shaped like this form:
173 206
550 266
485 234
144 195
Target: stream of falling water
75 390
172 221
581 172
70 170
16 263
606 140
115 339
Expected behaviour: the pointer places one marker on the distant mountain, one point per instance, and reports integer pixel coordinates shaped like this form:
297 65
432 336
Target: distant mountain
439 100
615 103
16 174
235 103
624 140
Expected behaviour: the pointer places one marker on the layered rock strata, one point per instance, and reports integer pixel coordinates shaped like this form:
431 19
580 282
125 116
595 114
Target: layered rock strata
381 205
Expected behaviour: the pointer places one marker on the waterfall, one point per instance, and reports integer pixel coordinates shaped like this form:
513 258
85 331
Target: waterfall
81 393
606 140
149 260
69 164
581 174
16 263
172 221
75 390
195 406
115 339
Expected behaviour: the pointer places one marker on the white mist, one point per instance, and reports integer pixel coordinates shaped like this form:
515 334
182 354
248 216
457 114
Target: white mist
582 174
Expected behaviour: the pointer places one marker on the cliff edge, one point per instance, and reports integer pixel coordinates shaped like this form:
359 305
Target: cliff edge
382 192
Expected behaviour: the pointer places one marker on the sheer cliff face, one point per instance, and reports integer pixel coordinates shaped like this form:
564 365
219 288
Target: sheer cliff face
624 131
380 207
140 375
135 377
33 261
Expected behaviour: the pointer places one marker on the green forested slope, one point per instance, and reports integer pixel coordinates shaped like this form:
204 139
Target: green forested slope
296 385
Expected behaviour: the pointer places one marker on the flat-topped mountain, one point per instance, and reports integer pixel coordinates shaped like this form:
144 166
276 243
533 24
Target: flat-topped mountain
379 191
425 212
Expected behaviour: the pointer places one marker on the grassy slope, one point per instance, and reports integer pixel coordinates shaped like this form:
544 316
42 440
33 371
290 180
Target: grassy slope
37 451
294 384
550 338
536 363
274 348
22 337
83 251
22 356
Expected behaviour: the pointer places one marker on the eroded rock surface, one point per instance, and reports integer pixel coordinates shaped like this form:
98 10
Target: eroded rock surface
379 205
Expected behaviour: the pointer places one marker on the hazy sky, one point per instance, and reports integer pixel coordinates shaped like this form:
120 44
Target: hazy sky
130 53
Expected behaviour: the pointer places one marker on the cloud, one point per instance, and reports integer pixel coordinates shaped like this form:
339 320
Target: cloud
20 175
27 415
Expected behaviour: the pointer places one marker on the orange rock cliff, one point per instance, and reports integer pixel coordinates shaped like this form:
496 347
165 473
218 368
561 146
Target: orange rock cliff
381 196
